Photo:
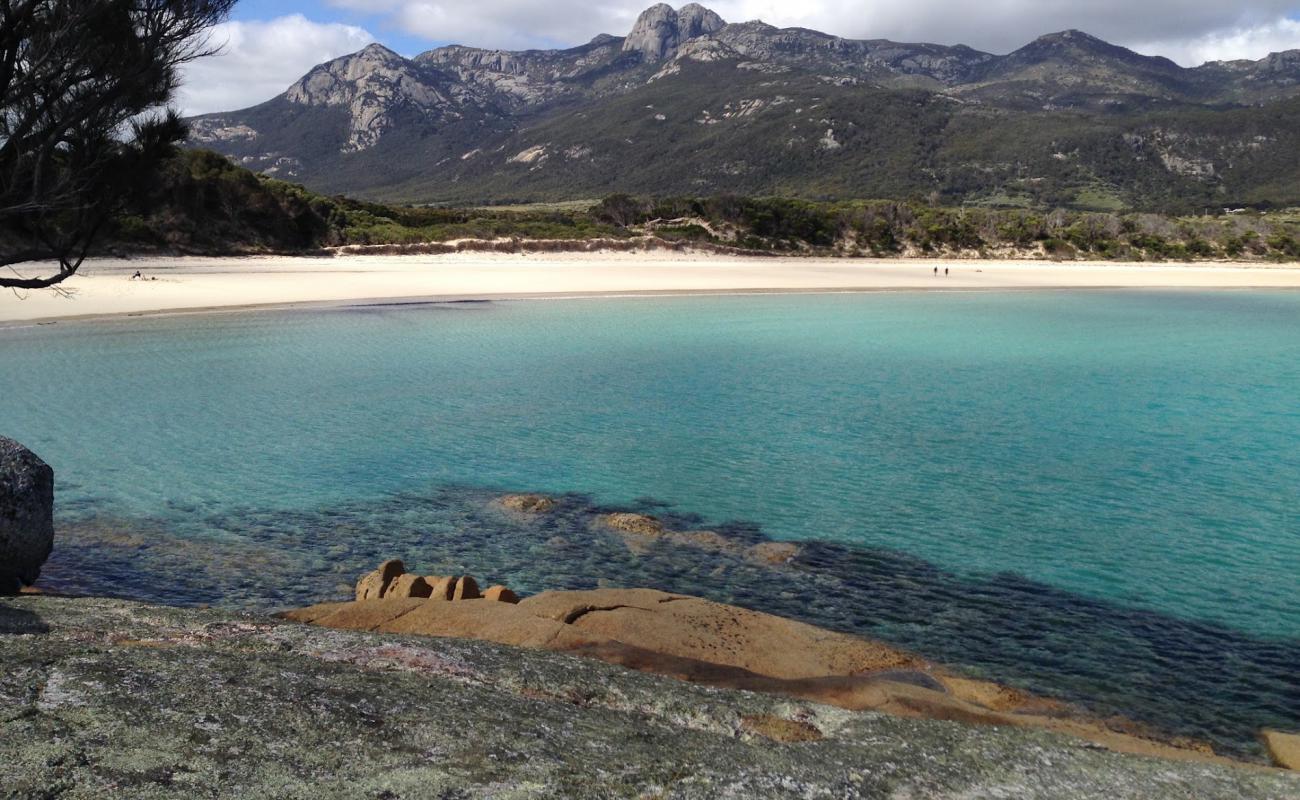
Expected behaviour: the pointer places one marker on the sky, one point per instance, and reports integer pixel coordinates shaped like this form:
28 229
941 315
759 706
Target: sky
269 44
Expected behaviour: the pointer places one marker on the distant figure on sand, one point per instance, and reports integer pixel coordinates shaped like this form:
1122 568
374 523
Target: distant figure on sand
936 271
945 272
137 276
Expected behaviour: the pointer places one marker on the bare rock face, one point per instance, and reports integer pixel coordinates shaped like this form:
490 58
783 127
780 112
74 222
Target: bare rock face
409 586
239 706
698 629
729 647
374 585
26 515
1283 748
372 84
501 594
660 30
466 589
443 586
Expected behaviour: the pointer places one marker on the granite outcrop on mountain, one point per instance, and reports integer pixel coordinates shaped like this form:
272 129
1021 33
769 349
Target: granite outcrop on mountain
687 103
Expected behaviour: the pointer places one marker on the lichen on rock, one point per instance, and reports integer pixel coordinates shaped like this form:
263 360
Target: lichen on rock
109 699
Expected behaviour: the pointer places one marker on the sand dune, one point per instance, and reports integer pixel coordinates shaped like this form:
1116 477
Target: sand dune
189 284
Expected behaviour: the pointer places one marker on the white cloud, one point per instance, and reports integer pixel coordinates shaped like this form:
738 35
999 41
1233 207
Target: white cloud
505 24
259 60
1000 26
993 25
1249 43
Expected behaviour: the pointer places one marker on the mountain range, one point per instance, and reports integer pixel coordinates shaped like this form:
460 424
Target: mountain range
686 103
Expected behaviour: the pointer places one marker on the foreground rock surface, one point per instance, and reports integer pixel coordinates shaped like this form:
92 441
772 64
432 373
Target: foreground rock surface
26 515
696 640
112 699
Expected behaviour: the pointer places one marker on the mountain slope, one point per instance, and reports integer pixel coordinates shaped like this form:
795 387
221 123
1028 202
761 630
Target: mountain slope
687 103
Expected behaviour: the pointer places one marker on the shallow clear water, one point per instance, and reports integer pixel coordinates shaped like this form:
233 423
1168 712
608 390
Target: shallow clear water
1093 494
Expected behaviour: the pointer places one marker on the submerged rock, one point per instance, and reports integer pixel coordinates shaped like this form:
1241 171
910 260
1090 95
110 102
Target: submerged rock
641 532
527 503
772 554
639 524
26 515
112 699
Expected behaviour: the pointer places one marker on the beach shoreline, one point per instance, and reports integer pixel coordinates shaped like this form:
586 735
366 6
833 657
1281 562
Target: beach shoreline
193 284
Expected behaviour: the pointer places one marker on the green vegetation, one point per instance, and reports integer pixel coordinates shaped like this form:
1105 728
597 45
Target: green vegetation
205 204
715 129
83 126
891 228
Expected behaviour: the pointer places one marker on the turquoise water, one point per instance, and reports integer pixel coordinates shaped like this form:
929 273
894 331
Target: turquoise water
1058 468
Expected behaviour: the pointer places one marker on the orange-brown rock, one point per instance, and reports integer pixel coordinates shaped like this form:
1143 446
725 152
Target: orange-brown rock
718 645
361 615
466 589
691 627
527 503
373 585
780 729
442 587
505 623
1283 748
408 586
500 594
999 698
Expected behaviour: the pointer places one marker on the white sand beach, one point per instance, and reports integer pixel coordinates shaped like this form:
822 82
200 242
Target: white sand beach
177 284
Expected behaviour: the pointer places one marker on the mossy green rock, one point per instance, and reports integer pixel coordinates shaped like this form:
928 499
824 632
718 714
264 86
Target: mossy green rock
102 698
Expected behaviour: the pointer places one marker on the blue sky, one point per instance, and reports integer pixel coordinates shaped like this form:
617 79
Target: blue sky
269 44
390 34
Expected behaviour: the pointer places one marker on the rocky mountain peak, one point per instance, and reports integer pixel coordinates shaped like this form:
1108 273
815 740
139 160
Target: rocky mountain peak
371 84
377 52
660 29
1285 61
1077 43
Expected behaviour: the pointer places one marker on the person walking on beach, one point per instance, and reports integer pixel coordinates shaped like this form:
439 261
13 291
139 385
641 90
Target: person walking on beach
936 272
945 272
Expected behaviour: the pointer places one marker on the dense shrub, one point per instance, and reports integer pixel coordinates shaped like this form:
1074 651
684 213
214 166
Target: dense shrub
205 203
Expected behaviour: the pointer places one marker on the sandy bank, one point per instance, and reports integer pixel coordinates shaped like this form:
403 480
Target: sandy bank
190 284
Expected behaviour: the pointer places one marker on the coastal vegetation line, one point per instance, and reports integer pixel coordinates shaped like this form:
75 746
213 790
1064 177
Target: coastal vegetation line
204 204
